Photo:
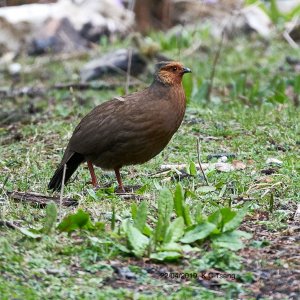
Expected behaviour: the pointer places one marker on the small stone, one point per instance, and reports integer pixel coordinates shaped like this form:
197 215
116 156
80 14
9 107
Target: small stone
14 68
224 167
274 161
223 159
113 63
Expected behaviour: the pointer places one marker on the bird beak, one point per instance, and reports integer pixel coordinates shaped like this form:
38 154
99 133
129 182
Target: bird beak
186 70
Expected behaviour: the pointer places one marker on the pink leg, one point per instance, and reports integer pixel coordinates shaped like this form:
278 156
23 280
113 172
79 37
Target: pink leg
119 179
94 179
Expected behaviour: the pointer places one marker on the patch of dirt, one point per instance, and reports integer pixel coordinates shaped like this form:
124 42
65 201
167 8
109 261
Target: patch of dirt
276 266
39 199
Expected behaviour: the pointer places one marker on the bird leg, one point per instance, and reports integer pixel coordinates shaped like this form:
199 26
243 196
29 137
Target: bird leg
94 178
119 179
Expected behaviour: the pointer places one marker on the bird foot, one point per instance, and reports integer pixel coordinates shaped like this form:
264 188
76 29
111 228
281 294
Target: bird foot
120 190
129 189
95 186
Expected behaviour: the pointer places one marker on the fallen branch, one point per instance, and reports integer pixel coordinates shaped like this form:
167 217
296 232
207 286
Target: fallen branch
30 91
8 224
41 91
90 86
40 200
219 166
289 39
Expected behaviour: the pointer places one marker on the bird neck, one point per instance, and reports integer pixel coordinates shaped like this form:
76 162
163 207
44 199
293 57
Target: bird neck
174 94
158 83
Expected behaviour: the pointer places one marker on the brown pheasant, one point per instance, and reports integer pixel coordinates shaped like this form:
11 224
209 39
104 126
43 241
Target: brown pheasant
127 130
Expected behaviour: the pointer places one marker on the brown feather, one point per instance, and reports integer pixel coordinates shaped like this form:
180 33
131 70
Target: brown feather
134 128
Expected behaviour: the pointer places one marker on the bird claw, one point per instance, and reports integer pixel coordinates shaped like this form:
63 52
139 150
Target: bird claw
129 189
120 190
96 187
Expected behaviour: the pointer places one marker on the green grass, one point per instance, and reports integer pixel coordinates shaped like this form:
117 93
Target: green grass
248 116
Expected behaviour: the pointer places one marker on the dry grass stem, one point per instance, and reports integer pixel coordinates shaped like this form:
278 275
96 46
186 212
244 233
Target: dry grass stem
199 161
62 192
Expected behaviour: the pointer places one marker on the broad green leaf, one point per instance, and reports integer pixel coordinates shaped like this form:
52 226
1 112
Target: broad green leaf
147 230
93 194
293 13
141 190
141 216
231 240
133 210
198 233
113 218
29 233
75 221
179 200
50 219
159 230
227 215
122 248
189 194
170 247
215 217
99 226
187 215
175 231
193 169
165 208
165 256
137 240
199 216
186 248
165 204
274 13
236 220
206 189
242 234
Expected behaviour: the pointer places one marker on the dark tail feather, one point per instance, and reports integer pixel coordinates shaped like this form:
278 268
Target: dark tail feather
72 164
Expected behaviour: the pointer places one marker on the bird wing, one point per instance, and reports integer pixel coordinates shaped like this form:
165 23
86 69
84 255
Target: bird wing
133 120
99 129
94 131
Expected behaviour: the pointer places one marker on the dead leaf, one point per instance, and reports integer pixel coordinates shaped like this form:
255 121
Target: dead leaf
224 167
238 165
265 179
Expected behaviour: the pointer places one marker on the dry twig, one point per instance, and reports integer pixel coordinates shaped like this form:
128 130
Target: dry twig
199 161
213 70
62 192
8 224
39 199
128 70
130 7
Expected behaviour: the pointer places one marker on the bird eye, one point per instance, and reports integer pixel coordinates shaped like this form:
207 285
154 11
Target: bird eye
175 69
